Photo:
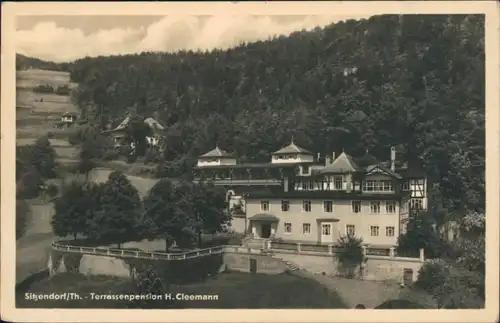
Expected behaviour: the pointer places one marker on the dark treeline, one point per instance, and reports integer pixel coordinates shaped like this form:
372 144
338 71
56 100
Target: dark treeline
413 81
24 62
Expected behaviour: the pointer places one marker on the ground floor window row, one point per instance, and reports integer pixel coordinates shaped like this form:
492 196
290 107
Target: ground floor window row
376 207
350 229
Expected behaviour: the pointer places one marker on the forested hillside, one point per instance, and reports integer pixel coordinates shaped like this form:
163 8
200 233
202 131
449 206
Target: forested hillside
24 62
416 81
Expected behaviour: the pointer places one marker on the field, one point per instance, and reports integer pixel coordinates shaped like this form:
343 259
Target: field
234 290
36 113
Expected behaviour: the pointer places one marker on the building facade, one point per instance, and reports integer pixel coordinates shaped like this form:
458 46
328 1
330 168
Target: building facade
301 197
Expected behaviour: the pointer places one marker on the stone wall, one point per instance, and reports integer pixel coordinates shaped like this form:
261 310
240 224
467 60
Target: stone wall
390 268
237 261
234 259
378 268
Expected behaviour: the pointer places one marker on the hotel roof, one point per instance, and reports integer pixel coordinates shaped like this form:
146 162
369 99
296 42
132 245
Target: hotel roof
292 148
342 164
216 152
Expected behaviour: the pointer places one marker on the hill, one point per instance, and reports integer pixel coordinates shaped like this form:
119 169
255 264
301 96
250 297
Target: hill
414 81
24 62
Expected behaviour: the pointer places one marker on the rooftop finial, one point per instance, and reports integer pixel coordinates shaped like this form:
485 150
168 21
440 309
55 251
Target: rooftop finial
292 140
366 151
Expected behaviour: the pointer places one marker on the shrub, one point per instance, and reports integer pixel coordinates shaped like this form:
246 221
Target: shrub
52 190
22 215
432 274
351 255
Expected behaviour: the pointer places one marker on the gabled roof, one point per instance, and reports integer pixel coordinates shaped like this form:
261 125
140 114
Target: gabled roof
342 164
68 114
216 152
292 148
387 170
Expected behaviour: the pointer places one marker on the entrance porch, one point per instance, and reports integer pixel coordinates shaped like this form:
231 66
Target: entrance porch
263 225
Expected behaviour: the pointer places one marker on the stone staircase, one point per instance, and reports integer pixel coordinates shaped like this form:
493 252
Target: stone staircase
289 265
254 243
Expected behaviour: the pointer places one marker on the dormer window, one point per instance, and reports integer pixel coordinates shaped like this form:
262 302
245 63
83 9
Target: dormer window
306 170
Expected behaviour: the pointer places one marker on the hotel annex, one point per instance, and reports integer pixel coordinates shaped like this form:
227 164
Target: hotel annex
299 196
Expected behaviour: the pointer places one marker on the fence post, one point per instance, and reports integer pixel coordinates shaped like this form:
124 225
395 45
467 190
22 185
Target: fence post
330 249
298 247
422 257
391 252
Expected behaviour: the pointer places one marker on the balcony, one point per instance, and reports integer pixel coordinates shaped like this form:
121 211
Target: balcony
243 182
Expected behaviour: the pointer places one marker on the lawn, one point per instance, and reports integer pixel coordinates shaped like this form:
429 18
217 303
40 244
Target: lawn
234 290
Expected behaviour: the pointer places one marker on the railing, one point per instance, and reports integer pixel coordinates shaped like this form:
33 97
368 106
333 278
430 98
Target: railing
139 254
244 181
368 251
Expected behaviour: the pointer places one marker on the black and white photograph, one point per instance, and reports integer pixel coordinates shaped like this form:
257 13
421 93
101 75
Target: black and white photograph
250 156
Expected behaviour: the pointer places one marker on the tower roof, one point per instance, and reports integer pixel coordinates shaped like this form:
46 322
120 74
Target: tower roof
342 164
366 159
292 148
216 152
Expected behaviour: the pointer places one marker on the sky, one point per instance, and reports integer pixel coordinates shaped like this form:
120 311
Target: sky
66 38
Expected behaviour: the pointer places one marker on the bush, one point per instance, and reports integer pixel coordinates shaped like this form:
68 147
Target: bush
432 274
52 190
351 255
30 184
22 215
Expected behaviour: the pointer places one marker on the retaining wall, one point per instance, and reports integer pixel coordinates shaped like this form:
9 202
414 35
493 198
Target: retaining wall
206 262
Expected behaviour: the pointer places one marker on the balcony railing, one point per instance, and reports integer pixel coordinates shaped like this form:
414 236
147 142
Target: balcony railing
274 182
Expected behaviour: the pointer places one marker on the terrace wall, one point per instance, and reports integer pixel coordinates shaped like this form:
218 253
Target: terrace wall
206 262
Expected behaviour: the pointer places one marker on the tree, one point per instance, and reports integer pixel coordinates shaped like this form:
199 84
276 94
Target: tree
167 213
420 234
118 218
210 208
351 255
136 132
43 157
30 184
74 208
23 212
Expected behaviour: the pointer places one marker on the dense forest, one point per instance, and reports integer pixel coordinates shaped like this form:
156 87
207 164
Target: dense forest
413 81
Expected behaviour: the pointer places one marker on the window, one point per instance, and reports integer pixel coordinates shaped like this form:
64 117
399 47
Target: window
264 206
328 206
350 230
375 207
417 204
288 227
338 180
306 206
326 229
389 231
305 169
405 186
378 186
285 206
356 206
390 207
374 231
306 228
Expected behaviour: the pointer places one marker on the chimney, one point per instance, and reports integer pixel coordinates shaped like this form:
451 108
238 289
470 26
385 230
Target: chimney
333 156
327 160
393 159
318 156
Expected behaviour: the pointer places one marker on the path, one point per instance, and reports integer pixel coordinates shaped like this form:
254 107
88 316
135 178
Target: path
32 250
